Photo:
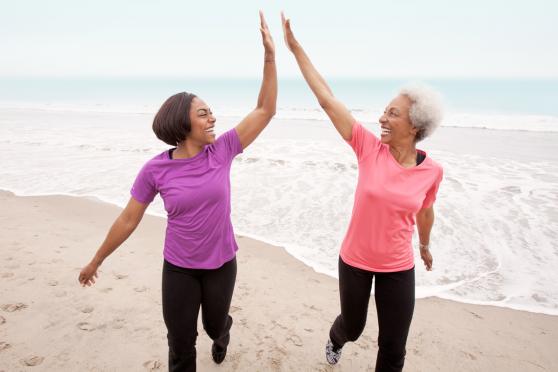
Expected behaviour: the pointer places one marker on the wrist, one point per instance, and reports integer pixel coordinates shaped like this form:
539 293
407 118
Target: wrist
424 247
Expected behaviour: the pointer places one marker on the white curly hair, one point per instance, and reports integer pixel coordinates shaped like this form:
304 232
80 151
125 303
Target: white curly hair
426 110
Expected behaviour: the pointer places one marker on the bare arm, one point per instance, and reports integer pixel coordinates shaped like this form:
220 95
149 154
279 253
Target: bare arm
255 122
425 221
339 115
121 229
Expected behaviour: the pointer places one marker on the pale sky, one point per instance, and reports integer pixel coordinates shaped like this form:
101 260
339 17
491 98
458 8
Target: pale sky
351 38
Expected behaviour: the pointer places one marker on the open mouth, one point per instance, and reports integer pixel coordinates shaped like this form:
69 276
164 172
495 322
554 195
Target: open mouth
385 131
210 130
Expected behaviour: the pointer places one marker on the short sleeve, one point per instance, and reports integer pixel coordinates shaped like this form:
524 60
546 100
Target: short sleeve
144 188
430 197
363 141
228 144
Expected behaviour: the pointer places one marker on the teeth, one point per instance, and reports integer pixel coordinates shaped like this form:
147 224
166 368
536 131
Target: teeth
386 131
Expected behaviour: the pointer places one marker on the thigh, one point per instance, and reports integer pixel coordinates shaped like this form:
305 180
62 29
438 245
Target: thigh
217 288
181 302
395 302
354 290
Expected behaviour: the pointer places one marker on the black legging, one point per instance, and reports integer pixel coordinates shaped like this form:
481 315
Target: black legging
184 290
395 301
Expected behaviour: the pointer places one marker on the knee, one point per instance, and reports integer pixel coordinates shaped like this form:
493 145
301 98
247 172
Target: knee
217 329
354 333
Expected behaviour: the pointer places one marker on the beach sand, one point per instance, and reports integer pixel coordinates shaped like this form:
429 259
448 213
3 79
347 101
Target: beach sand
282 309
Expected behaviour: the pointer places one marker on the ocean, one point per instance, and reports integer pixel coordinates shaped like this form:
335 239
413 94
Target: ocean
495 236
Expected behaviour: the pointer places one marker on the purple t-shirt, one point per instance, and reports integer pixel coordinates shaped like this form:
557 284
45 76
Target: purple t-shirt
197 197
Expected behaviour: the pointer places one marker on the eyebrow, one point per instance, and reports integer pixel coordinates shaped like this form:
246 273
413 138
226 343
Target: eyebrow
204 110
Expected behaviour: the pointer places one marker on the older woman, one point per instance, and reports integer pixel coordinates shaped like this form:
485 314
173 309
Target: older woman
397 186
193 178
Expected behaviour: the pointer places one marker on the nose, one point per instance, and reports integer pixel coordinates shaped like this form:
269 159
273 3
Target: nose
383 119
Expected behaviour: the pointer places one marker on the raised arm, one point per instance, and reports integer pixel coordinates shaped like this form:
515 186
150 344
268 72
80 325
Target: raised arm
255 122
336 110
121 229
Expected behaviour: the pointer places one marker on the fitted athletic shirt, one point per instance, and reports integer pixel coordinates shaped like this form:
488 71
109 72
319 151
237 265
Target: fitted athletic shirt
197 196
387 199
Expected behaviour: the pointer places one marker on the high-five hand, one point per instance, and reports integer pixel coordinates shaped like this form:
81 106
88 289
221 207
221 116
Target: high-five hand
266 37
290 40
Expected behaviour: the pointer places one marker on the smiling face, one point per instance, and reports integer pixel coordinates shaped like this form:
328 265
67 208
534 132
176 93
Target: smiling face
202 123
395 123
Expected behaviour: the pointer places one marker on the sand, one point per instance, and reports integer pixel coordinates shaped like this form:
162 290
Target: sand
282 309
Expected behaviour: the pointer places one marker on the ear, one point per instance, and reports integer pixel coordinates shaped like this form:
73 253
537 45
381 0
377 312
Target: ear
414 131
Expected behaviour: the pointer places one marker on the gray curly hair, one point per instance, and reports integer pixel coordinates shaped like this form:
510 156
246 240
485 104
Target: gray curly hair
426 110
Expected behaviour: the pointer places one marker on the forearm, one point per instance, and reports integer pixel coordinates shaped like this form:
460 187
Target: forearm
267 99
120 231
315 81
425 221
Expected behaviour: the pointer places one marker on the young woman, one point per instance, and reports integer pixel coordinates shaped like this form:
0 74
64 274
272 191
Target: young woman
193 179
397 186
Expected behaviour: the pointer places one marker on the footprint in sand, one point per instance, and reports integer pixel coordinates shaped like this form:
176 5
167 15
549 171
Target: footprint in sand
87 309
4 345
84 326
140 289
297 341
2 320
10 308
106 290
120 276
60 293
52 283
119 323
234 309
32 361
153 365
7 275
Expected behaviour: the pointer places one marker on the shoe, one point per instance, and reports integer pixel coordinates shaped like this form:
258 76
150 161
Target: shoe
332 354
218 354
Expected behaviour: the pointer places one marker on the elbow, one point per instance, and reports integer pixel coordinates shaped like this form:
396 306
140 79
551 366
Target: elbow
324 103
267 113
129 222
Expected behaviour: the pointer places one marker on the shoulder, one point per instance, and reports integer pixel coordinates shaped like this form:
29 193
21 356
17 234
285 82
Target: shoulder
156 161
434 167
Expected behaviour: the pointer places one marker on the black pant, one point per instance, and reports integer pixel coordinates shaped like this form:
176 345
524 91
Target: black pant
395 303
184 290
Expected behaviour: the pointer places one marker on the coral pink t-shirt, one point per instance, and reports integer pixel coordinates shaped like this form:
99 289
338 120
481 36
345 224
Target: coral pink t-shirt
387 199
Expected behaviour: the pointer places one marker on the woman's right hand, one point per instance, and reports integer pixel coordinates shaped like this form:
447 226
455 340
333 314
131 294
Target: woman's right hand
88 274
288 33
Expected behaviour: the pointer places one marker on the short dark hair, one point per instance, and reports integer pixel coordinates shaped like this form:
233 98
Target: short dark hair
172 122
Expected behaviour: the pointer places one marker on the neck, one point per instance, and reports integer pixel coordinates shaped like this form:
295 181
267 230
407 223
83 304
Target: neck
404 153
187 149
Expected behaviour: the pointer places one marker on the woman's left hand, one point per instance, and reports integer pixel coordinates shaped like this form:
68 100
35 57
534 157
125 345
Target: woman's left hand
426 258
266 37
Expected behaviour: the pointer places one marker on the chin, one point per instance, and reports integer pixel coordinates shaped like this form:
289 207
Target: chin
384 140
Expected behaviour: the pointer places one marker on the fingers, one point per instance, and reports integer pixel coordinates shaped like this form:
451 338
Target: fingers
263 23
